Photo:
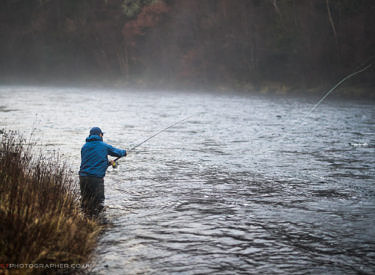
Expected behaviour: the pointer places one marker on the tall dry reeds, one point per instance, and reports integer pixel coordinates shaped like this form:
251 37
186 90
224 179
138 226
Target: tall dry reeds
40 217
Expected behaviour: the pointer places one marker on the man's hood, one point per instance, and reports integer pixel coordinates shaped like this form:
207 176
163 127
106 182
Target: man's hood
93 138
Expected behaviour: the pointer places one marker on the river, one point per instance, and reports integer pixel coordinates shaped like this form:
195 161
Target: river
248 184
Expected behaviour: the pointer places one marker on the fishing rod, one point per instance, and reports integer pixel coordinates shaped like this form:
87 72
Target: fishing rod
114 165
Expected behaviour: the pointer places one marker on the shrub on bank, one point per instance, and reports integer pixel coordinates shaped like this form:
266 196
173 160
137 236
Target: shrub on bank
40 217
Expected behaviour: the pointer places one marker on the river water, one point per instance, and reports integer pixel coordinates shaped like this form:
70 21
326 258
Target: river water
248 184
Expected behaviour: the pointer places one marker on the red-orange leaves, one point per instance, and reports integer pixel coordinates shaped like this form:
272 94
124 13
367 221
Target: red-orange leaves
147 18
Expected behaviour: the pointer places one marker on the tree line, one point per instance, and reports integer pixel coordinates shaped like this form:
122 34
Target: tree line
191 43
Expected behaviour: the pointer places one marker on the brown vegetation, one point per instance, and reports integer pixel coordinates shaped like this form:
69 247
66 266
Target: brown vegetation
40 218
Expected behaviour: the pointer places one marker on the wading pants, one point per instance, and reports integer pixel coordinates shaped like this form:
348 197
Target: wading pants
92 194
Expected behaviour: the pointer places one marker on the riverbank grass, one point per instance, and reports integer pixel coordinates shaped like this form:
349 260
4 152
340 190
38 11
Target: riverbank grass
41 222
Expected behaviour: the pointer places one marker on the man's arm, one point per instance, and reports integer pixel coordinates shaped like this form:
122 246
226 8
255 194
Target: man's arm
114 152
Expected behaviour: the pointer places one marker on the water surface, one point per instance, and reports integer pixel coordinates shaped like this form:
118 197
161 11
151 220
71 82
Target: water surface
249 184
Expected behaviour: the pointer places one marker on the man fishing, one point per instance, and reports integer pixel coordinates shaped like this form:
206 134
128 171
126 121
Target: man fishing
94 164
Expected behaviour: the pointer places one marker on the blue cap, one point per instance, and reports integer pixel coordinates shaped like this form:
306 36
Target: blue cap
96 131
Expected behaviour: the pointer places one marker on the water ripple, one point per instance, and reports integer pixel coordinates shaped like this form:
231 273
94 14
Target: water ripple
245 186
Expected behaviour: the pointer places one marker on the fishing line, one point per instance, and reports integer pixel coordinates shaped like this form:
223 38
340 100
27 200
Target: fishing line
326 95
330 91
334 87
310 111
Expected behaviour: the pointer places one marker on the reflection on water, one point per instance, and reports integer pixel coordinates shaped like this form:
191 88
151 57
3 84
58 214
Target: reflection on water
246 185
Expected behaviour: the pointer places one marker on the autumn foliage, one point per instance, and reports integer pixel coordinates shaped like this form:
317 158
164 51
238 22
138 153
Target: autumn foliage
148 18
191 43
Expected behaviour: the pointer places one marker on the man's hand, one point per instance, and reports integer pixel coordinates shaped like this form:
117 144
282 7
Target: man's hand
113 163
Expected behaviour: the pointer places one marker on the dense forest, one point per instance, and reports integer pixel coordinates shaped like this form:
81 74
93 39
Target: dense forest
243 44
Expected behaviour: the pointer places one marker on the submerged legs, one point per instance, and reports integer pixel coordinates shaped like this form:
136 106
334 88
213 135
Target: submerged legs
92 193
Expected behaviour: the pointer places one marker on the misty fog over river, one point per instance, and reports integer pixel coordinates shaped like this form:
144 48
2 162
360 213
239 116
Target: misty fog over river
248 184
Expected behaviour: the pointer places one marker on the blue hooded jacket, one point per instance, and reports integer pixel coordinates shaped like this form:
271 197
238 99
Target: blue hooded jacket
94 160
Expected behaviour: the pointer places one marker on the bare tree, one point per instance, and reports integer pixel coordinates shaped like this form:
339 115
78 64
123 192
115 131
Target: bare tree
332 22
